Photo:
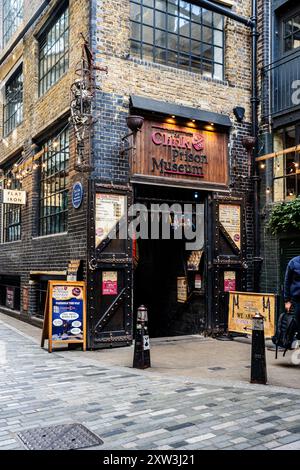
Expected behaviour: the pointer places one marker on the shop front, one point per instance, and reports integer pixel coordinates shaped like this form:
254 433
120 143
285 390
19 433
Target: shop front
174 239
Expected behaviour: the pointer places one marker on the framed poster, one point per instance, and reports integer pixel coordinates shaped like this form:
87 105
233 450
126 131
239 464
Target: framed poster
230 218
244 305
109 283
65 314
109 210
25 299
10 297
229 281
182 289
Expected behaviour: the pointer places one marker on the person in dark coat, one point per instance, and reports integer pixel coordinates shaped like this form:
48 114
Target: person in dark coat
292 290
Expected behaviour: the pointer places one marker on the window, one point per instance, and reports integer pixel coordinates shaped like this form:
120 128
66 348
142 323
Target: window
10 292
291 33
12 17
13 107
178 34
11 215
53 189
286 168
54 52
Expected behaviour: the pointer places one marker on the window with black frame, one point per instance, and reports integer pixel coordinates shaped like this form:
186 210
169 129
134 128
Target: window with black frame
291 32
54 51
13 11
54 185
13 106
179 34
11 215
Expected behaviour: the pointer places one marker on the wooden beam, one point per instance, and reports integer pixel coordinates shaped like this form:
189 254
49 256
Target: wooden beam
277 154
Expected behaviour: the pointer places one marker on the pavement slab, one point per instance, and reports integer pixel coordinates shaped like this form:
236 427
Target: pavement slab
131 409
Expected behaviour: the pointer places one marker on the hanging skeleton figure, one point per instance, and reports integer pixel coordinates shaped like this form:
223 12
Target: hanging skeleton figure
82 94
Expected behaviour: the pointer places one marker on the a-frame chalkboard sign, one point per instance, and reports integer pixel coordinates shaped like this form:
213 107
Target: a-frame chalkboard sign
65 314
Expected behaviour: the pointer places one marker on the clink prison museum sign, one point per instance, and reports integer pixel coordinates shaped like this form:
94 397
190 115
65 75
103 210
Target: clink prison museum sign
181 153
187 158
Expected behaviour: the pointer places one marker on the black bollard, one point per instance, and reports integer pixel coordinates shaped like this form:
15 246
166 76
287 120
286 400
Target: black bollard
258 354
141 358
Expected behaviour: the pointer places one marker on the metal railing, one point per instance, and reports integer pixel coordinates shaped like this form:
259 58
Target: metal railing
281 85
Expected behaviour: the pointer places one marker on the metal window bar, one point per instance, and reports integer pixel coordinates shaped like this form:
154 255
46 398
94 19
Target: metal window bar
53 186
12 217
54 52
178 21
13 107
281 85
13 11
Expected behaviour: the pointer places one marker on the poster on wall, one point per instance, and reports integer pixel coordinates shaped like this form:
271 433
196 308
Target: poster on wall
65 314
229 281
10 297
110 283
230 218
110 208
194 260
25 299
242 308
182 291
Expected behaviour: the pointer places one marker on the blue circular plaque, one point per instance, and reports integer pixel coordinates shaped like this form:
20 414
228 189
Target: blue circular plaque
77 195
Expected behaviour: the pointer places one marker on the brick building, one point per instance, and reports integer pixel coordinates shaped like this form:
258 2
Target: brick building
184 69
279 134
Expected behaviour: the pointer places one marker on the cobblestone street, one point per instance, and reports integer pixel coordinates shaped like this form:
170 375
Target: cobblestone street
133 410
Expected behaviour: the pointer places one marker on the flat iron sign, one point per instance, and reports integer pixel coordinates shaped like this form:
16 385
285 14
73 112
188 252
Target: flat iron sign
14 196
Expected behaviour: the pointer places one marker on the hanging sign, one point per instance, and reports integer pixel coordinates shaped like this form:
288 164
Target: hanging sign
182 292
242 308
14 196
110 208
230 218
110 283
229 281
65 314
77 195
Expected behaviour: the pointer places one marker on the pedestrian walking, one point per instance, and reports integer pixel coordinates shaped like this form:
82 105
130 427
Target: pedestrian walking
292 290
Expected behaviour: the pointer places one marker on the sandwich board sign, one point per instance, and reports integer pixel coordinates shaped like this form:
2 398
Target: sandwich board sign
65 314
244 305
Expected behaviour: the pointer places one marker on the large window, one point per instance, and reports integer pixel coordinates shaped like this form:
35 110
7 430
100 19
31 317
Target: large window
13 107
11 215
54 52
286 167
291 33
53 190
179 34
12 17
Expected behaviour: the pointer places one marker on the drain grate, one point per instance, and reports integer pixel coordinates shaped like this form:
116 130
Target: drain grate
61 437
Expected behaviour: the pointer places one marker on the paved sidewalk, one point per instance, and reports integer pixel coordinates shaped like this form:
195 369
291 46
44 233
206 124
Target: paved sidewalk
132 409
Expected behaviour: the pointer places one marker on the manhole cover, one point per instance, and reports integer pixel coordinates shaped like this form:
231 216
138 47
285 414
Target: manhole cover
61 437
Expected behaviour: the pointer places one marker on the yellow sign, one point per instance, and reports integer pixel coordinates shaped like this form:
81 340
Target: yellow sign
244 305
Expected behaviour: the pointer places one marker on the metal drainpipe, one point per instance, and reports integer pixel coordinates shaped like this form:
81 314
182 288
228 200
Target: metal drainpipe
257 260
250 23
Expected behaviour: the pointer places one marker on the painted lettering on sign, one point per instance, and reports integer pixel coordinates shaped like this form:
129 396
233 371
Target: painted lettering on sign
184 161
177 140
13 196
